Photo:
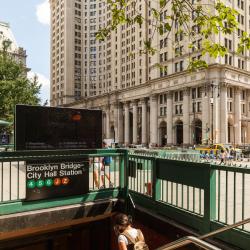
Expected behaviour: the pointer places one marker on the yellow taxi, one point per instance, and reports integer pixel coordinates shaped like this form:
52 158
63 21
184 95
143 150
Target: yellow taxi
216 148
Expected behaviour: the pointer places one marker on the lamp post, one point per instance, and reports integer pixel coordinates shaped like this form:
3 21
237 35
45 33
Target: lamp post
212 111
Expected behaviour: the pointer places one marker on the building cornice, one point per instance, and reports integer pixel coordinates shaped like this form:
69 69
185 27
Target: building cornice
218 72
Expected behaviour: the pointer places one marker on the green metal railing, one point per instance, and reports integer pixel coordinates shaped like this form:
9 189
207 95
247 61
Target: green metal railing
203 196
13 177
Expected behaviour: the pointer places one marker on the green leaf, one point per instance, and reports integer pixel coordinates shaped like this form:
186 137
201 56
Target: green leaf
163 3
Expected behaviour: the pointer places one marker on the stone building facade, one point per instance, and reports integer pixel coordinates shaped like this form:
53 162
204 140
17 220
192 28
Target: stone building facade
142 103
182 109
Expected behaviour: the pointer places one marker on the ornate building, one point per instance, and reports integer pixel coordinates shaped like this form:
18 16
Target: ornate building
184 108
17 53
141 103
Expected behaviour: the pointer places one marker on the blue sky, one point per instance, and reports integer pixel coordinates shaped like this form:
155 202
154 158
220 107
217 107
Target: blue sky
29 22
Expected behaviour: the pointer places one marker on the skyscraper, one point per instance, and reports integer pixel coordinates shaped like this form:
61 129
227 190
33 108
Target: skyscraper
143 103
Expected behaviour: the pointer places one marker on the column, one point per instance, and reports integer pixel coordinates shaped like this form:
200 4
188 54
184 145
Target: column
126 123
135 127
237 115
170 118
107 123
153 120
116 121
186 119
120 124
216 114
144 121
224 115
248 115
205 115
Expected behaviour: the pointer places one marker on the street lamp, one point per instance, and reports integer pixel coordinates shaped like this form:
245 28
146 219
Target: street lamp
212 107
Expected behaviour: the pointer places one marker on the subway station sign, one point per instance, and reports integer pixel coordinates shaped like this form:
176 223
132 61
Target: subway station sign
49 179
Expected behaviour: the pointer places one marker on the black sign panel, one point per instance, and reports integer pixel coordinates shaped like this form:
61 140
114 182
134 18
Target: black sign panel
56 179
45 128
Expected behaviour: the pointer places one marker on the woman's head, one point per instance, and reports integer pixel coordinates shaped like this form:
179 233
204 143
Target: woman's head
122 221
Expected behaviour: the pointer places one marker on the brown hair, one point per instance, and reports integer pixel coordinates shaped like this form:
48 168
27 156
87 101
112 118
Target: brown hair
122 221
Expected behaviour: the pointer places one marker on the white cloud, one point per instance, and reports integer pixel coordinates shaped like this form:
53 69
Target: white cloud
43 12
45 88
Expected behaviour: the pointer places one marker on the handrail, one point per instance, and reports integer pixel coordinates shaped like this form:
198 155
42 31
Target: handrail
187 240
199 240
223 229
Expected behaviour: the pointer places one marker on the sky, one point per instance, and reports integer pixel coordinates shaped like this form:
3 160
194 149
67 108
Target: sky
29 22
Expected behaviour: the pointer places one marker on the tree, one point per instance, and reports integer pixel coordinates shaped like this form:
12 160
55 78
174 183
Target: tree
15 87
185 17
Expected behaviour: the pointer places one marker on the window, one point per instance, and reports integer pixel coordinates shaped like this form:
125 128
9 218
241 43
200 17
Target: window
165 98
176 68
199 92
181 65
193 107
161 99
181 109
230 92
230 109
181 95
199 106
243 109
176 96
161 111
176 109
165 110
228 59
193 93
243 95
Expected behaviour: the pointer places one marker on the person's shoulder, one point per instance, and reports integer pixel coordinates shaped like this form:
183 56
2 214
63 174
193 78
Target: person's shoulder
122 237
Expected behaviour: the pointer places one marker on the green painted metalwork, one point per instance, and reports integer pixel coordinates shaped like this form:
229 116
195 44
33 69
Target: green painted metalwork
195 194
185 184
191 173
22 206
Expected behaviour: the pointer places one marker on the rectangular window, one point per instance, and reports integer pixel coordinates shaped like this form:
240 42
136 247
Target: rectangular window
181 95
181 109
165 98
199 106
161 111
243 109
176 96
199 92
176 109
176 67
243 95
161 99
181 65
165 110
193 93
193 107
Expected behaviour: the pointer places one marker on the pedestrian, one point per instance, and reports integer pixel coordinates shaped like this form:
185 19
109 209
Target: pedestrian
222 156
105 171
128 237
97 170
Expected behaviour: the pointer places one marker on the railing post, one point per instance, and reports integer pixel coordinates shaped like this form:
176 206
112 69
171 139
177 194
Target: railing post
123 174
156 187
212 194
209 199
